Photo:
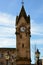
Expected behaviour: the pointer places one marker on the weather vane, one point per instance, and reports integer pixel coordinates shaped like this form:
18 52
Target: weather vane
22 2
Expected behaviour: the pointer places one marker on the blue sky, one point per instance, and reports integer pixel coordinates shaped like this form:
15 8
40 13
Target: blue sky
9 9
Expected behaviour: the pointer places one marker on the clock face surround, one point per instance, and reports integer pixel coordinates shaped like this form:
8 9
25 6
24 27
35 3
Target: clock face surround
22 29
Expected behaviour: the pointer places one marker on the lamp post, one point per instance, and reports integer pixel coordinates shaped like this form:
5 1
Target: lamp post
37 53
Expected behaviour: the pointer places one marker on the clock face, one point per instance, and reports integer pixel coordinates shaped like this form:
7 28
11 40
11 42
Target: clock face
22 29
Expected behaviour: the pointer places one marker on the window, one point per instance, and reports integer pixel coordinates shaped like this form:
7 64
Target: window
22 45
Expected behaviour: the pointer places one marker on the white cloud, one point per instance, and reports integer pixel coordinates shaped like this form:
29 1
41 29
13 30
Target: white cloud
7 30
36 28
37 41
7 23
37 32
7 42
7 19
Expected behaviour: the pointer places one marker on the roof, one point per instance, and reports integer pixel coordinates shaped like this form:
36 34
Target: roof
23 13
32 64
7 48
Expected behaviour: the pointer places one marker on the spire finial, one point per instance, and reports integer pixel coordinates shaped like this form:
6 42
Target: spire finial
22 2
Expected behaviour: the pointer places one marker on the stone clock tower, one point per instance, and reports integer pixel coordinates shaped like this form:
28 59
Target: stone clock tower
23 38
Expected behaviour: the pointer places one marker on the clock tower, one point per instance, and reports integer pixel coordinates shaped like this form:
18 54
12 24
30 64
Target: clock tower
23 38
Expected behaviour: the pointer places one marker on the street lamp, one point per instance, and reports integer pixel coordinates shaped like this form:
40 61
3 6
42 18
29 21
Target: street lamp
37 54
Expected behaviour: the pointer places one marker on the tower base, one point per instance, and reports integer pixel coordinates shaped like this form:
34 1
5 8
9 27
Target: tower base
23 61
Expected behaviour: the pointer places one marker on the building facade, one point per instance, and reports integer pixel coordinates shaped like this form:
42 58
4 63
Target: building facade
21 54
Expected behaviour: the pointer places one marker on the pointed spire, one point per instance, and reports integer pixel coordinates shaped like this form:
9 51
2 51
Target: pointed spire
23 13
